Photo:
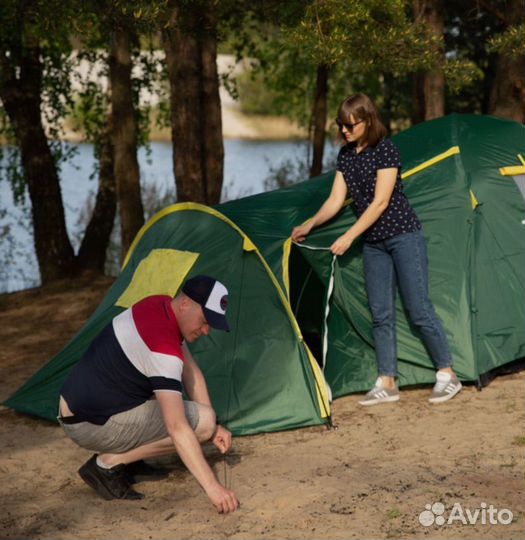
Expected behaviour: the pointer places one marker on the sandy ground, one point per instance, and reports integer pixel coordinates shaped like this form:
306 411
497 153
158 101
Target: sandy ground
370 478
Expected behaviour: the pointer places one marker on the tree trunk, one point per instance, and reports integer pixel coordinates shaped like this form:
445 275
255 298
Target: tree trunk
20 91
507 95
211 110
386 114
196 126
418 98
126 167
319 113
92 252
431 84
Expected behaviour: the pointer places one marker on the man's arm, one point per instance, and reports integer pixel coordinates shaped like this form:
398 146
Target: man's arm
197 389
193 380
190 451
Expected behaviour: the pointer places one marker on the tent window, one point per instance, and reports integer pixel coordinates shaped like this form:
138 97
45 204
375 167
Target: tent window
161 272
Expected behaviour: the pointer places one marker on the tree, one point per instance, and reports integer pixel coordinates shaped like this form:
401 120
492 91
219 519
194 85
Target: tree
343 43
36 64
491 36
429 85
190 43
319 117
507 96
114 119
22 54
124 135
92 251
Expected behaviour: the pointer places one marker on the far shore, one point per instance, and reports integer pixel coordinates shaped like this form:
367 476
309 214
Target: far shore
235 125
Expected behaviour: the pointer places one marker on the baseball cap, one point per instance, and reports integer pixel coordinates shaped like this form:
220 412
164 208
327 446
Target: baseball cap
212 295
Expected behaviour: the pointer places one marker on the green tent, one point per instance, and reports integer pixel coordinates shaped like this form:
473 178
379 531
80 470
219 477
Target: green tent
463 175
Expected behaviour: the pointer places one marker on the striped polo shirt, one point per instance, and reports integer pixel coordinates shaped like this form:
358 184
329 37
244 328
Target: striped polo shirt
137 354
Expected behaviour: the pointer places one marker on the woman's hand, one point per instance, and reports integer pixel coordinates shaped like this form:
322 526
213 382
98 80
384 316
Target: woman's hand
301 232
341 245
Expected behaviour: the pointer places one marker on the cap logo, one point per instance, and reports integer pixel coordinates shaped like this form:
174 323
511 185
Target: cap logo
218 298
212 296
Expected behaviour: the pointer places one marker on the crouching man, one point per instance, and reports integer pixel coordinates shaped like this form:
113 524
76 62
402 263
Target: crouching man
123 399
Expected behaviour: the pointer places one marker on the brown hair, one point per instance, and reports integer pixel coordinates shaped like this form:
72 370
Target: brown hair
362 108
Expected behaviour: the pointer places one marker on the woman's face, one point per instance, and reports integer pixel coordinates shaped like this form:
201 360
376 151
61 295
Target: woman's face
355 131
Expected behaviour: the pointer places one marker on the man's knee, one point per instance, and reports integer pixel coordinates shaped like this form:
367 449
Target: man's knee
207 423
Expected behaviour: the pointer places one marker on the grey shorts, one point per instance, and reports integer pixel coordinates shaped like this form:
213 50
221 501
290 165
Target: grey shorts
128 429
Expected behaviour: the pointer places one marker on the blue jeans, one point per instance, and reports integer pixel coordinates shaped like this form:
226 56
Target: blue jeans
401 259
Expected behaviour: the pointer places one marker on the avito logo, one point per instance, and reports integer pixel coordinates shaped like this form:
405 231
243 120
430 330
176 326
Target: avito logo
485 514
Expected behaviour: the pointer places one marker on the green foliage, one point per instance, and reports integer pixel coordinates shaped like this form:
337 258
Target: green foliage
359 40
469 28
371 46
366 35
41 26
460 74
254 96
511 42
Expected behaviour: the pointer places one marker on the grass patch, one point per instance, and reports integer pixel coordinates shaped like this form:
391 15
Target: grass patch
393 513
519 440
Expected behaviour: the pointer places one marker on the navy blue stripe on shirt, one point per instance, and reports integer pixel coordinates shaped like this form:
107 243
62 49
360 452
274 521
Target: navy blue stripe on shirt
104 382
163 383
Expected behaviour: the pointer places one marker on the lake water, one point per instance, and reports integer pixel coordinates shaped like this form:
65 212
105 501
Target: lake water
247 167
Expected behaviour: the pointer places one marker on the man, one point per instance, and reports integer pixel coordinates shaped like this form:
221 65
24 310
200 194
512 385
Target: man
123 399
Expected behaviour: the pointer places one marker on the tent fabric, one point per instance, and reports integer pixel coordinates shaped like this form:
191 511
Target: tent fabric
263 375
260 375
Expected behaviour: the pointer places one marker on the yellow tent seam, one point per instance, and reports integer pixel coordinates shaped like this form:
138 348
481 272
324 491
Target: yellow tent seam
520 157
440 157
473 201
320 387
513 170
287 247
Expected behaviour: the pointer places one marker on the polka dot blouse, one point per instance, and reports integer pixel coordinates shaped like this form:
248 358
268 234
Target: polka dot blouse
360 174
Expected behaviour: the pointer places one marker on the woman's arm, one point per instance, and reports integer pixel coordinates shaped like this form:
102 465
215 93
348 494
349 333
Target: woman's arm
386 181
331 206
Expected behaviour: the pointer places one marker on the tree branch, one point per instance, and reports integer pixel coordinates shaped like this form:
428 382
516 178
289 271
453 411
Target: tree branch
491 9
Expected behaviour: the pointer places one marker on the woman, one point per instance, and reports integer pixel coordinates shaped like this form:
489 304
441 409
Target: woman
368 170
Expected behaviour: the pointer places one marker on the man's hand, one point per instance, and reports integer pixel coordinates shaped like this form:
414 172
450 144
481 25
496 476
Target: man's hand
222 439
223 499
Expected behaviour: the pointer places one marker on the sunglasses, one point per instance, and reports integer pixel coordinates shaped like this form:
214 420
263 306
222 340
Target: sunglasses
349 127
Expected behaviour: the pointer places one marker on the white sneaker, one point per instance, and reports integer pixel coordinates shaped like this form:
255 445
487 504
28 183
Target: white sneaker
446 387
378 394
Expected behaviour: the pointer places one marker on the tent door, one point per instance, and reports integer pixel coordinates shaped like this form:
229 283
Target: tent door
307 298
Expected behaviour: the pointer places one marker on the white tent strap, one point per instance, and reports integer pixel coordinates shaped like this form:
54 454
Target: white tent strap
327 311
